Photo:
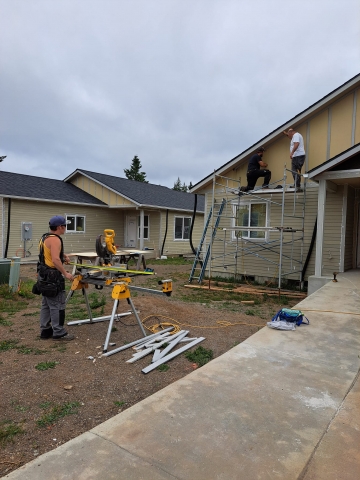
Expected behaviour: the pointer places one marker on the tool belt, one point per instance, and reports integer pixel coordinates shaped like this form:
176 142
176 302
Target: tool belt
50 282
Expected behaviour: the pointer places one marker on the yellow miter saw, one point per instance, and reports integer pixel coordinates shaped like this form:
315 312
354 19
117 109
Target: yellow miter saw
106 248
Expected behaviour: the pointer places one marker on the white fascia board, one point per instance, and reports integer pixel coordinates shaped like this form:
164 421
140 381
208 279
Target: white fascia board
338 174
102 184
334 162
306 113
46 200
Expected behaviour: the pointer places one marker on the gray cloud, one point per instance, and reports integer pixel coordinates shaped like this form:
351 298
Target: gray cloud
184 85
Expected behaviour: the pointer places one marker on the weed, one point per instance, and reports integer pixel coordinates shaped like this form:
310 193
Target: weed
163 368
8 345
24 350
57 412
96 300
250 312
114 329
45 405
25 289
200 356
20 408
45 365
119 404
8 432
5 323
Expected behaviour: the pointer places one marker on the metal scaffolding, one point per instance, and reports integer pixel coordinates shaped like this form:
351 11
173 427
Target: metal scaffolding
233 233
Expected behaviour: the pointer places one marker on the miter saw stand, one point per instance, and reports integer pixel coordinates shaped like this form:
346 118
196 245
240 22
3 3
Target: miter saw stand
119 279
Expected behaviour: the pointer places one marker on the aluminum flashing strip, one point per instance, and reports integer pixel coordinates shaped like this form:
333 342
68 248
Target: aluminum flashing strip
172 355
128 345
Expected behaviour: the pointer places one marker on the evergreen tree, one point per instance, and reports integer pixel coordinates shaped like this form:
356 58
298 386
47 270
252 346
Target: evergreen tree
179 186
190 186
133 173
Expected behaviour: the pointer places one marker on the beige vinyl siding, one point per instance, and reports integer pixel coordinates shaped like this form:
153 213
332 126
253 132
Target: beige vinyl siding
39 213
179 247
349 231
232 256
102 193
332 231
341 123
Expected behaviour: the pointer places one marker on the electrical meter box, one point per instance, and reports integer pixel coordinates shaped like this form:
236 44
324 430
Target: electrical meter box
26 231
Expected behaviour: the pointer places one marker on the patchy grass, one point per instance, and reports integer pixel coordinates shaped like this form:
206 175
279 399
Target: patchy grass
45 365
8 345
24 350
76 313
119 404
25 289
170 261
57 412
96 300
200 356
4 322
8 430
163 368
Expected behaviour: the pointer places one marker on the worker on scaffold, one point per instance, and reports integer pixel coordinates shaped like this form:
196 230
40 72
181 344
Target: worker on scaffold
257 168
297 155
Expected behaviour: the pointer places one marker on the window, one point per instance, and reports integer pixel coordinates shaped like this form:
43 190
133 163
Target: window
182 228
250 215
146 227
75 223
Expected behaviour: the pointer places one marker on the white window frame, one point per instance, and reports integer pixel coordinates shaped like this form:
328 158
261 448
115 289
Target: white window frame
77 218
145 227
246 234
182 239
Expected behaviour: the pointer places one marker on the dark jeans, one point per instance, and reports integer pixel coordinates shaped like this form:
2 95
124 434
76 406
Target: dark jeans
253 175
296 166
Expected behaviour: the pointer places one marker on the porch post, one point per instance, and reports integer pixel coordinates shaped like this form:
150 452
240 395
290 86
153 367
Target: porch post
320 227
343 229
141 229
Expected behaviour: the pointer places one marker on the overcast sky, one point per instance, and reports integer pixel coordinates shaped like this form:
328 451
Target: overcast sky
184 84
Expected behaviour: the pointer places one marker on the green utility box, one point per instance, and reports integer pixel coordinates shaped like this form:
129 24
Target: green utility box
5 264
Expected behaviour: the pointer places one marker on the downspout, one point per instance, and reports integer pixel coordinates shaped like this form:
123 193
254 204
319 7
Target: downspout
8 229
312 243
166 229
192 225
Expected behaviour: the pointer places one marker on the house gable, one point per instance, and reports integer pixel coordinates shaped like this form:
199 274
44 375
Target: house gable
328 127
101 191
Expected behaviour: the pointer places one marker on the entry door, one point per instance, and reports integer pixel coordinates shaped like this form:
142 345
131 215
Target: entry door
130 240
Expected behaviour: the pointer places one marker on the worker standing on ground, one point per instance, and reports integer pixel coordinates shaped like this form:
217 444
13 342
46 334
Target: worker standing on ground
51 269
297 155
256 169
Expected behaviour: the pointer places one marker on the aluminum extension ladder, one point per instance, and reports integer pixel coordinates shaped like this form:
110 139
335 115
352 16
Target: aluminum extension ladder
199 249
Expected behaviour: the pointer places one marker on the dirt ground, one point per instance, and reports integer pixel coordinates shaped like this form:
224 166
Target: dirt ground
41 409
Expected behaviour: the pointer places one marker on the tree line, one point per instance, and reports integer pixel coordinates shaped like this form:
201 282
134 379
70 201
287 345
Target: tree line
135 173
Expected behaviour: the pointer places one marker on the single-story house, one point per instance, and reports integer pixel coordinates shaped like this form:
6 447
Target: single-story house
304 236
143 215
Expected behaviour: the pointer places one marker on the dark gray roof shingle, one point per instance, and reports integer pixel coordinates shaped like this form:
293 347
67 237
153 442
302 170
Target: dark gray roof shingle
147 193
26 186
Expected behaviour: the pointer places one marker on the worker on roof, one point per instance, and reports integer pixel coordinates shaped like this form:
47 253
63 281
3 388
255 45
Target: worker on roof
257 168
